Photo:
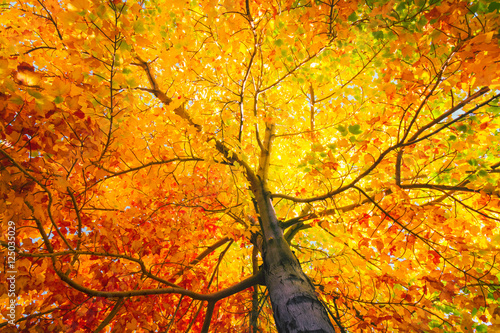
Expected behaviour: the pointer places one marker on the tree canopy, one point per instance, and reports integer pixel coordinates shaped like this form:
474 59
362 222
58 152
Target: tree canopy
142 142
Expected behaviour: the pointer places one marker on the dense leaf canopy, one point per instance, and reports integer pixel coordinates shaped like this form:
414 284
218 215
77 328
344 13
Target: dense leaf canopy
133 134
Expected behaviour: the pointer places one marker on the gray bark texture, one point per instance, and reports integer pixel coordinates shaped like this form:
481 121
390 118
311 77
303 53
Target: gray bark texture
296 306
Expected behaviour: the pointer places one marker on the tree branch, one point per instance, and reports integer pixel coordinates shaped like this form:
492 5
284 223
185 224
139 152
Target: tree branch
240 286
230 155
265 155
110 316
448 113
202 255
208 317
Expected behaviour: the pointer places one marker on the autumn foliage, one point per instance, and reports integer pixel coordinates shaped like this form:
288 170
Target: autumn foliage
139 139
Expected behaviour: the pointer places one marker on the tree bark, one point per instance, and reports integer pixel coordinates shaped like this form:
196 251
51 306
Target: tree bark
254 314
296 306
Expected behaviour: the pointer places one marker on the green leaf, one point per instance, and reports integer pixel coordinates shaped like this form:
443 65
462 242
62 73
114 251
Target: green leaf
482 173
131 82
353 17
355 129
101 10
473 8
18 100
423 21
472 162
494 6
378 34
482 328
342 130
35 94
139 27
124 46
493 109
332 146
278 42
58 100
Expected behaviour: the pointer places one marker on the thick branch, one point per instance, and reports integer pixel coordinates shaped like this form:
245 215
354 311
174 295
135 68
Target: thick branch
230 155
236 288
461 117
439 187
449 113
265 155
340 189
208 317
110 316
155 89
118 173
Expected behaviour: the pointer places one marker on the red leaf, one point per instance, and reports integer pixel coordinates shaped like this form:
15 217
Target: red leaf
50 113
24 66
79 114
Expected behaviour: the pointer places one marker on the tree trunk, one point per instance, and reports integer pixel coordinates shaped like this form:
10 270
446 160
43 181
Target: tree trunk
295 304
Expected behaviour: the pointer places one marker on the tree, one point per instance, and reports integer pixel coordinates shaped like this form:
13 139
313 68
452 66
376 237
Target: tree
299 166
